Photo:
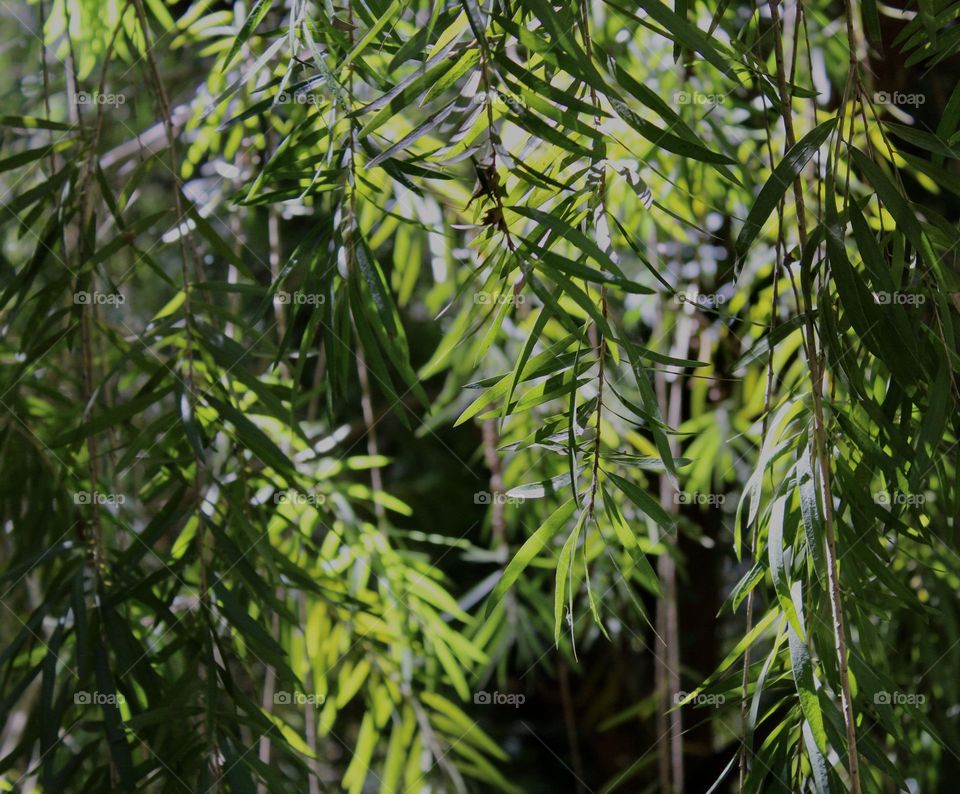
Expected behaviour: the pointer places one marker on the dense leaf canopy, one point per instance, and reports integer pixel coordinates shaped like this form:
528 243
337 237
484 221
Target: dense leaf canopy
479 395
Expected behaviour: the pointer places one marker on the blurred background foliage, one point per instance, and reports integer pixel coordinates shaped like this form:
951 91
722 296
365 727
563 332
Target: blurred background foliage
482 395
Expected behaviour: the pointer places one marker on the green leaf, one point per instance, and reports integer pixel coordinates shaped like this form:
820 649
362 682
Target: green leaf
254 18
665 140
531 548
684 33
896 205
252 437
810 510
802 670
779 181
650 506
776 549
565 571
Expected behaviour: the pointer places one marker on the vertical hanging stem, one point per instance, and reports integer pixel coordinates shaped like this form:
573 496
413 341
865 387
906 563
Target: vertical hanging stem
819 432
208 724
76 239
570 720
668 619
350 229
767 397
661 686
492 459
273 237
269 688
369 422
275 249
598 206
601 346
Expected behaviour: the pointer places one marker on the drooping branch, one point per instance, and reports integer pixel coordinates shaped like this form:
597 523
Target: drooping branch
821 459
